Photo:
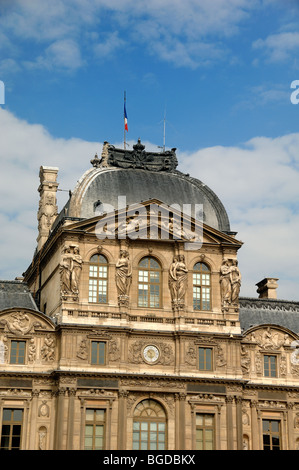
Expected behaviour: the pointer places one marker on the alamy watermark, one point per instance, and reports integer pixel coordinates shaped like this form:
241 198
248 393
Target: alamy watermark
153 221
295 94
2 92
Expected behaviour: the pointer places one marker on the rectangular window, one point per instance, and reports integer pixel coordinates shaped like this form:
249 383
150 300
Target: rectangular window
94 429
271 434
149 435
205 358
98 349
148 288
270 369
201 288
98 282
11 429
17 352
205 432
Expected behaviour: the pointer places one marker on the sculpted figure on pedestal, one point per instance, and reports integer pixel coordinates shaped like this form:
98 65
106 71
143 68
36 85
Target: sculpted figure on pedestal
178 281
70 270
123 277
230 282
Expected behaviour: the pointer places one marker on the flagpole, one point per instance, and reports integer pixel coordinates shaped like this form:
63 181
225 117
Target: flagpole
125 120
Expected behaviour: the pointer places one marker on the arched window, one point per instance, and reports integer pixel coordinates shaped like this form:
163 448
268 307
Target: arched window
149 282
149 426
201 287
98 279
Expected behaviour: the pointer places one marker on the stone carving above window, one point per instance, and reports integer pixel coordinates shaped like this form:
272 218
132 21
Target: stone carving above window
20 323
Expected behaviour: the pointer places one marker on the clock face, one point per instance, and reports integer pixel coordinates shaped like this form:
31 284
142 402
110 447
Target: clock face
151 353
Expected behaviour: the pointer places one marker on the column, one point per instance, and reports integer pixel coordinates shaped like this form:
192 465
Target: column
229 422
71 419
122 419
290 426
239 424
254 426
218 427
182 426
33 428
58 445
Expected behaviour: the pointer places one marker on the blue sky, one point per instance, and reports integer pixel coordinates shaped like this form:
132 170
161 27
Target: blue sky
221 70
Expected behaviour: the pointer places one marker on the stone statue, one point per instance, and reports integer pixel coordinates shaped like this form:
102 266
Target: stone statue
65 271
178 281
182 278
70 270
76 268
235 282
225 282
172 280
230 282
123 277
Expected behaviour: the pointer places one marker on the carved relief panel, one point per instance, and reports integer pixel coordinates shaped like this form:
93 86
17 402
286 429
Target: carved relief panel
268 344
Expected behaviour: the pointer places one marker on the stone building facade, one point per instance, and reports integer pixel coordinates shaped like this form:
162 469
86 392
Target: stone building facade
127 331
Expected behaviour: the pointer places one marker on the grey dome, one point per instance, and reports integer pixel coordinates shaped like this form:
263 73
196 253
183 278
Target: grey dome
151 176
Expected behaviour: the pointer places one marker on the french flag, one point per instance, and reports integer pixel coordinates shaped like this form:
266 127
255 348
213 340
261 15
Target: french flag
126 118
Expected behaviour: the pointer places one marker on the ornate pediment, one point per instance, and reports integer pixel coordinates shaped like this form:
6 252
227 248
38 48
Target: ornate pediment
154 220
21 322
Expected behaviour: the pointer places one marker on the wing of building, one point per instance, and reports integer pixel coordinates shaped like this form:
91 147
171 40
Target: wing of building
127 331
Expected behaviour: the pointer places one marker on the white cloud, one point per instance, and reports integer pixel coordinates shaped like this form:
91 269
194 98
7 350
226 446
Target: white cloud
258 185
186 33
24 148
109 45
63 54
280 47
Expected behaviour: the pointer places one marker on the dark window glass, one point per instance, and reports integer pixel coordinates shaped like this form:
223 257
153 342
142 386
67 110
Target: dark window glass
11 430
205 358
98 352
17 352
270 369
271 434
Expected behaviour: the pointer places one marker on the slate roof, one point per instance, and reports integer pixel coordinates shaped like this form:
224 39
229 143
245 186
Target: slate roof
142 178
269 311
15 294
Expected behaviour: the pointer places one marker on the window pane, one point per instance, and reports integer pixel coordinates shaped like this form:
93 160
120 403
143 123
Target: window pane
274 426
4 442
88 431
7 414
18 415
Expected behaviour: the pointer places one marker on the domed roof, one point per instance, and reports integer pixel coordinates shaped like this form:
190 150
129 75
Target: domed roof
141 176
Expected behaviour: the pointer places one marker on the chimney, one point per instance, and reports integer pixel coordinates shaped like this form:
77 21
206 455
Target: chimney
47 211
267 288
